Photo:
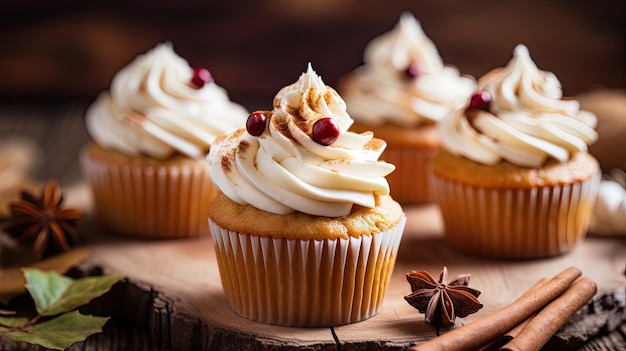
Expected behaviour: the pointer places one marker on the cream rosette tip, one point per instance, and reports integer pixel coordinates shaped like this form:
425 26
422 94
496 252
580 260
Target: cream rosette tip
153 108
285 169
404 81
527 120
404 44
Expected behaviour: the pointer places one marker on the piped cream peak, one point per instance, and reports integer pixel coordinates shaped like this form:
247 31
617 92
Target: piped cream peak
310 78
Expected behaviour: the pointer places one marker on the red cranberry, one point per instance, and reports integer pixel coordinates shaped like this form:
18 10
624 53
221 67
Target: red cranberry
480 100
325 131
412 71
255 125
201 76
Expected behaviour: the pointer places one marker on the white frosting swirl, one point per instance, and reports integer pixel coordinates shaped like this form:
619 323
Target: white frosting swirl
153 109
527 123
285 170
380 92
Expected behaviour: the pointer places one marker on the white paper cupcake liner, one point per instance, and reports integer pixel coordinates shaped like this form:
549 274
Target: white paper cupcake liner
410 182
306 283
521 223
145 200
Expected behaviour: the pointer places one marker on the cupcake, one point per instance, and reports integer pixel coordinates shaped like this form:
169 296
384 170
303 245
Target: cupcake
513 178
305 231
401 92
150 136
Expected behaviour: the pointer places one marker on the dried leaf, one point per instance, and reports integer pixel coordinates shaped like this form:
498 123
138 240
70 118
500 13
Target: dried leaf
54 294
61 332
12 280
12 321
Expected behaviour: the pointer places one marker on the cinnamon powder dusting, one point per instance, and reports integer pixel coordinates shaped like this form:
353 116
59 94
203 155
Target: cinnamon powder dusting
243 146
312 98
374 144
304 126
298 119
225 163
295 112
329 95
284 130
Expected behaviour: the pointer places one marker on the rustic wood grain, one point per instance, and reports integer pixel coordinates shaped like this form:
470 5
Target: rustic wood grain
172 298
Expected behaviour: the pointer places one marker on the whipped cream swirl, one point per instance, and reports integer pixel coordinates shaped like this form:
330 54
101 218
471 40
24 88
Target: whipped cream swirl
154 109
380 91
285 170
527 122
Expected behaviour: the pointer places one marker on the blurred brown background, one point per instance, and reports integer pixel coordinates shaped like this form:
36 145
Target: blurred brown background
72 49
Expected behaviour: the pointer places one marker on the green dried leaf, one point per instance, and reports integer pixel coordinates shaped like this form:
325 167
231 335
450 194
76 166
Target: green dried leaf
12 278
12 321
54 293
61 332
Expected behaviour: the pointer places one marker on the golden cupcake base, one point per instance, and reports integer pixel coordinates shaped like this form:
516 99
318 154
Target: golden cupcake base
143 197
306 283
492 213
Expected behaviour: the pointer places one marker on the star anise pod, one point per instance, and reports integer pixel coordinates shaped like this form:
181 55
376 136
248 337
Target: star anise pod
42 222
442 301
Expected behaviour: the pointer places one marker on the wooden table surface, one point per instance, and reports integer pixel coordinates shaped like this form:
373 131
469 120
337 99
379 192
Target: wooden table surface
171 298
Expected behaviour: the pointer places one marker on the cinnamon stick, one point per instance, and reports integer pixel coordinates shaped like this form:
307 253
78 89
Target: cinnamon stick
513 332
485 329
541 327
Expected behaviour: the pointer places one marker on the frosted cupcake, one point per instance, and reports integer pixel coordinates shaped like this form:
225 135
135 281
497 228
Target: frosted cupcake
151 133
305 231
514 178
400 93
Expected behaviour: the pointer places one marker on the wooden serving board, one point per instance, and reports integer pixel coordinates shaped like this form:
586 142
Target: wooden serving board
172 297
189 311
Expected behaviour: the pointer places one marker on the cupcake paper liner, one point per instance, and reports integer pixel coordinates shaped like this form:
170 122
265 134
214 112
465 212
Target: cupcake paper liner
305 283
146 200
410 182
521 223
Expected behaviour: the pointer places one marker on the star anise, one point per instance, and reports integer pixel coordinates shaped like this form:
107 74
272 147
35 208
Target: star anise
442 301
42 222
